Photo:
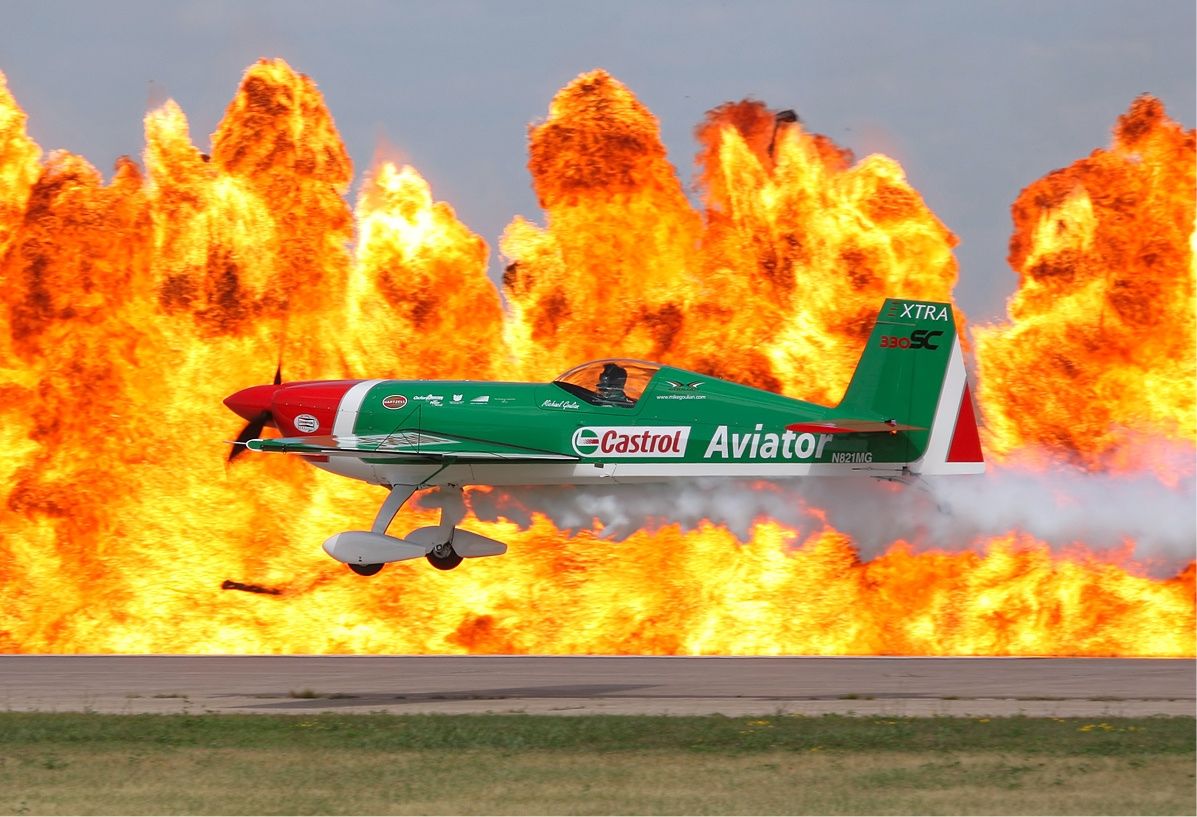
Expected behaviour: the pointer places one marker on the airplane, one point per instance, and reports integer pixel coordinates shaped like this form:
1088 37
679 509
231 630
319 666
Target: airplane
907 412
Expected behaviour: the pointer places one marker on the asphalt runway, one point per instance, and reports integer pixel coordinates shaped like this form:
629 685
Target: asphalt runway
1083 687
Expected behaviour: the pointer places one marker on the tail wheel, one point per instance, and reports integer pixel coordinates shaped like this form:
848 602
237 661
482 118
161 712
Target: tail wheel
366 570
444 557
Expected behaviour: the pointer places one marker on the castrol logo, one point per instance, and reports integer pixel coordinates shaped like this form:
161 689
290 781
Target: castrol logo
648 442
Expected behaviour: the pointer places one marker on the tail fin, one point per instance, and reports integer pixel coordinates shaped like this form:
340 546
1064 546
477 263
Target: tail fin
912 374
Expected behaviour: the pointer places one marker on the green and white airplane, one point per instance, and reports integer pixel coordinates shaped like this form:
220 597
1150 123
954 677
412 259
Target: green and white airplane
907 412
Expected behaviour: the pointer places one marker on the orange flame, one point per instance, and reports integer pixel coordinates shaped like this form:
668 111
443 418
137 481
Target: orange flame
19 166
618 252
811 240
1104 250
419 278
130 310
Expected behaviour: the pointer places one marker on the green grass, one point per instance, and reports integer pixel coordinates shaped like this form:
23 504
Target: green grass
66 763
605 733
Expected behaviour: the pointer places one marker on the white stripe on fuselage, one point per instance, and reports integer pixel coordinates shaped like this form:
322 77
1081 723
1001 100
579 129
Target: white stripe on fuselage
343 423
491 473
348 408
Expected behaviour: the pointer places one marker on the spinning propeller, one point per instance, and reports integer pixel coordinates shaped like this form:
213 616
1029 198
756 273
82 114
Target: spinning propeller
257 422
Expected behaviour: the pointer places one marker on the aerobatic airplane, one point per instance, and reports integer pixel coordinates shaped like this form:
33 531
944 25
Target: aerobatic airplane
907 411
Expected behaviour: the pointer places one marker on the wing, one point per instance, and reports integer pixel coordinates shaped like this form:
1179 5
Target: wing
417 444
848 426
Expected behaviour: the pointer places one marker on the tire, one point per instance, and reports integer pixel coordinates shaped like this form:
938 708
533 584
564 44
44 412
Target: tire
365 570
446 560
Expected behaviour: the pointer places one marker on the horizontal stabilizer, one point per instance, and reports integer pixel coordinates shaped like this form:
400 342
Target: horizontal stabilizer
852 427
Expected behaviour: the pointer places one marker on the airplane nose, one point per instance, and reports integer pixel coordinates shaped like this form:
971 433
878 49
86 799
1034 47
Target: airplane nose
249 403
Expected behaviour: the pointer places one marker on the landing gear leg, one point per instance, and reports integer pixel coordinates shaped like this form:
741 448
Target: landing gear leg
445 544
386 514
443 556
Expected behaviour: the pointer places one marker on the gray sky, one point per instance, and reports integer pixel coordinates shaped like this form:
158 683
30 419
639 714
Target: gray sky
975 99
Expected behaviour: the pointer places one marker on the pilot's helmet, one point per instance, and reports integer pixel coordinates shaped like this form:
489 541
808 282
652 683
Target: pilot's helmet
613 377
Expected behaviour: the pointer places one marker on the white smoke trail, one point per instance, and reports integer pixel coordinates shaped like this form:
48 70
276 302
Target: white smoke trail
1060 506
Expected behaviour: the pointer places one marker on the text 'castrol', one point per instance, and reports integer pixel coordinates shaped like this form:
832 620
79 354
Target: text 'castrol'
631 441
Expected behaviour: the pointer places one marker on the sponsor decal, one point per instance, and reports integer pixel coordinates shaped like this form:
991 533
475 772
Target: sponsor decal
667 442
430 399
789 445
306 423
677 385
853 456
919 339
457 398
394 401
918 312
483 399
560 404
681 397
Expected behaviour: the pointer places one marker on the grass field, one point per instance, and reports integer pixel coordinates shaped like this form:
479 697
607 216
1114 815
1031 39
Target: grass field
512 764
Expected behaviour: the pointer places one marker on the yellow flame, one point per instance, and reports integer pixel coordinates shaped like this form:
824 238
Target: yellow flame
130 310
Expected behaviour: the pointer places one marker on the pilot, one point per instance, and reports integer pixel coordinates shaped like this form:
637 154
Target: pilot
610 385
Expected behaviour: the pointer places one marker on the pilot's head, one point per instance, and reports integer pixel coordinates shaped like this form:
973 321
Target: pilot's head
613 377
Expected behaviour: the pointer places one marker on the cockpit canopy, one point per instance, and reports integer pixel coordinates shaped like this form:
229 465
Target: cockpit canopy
610 382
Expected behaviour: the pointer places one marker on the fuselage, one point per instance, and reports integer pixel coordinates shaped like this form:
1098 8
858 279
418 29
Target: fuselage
680 425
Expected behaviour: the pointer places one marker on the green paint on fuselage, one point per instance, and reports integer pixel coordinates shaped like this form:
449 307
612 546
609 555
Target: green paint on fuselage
688 417
726 422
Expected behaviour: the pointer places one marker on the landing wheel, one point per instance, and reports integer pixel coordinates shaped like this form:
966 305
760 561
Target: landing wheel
365 570
444 557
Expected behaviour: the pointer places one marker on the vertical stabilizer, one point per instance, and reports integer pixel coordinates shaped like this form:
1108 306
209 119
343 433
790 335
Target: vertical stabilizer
912 373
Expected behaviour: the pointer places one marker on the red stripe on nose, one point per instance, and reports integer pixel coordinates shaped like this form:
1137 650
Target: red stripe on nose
249 403
309 407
